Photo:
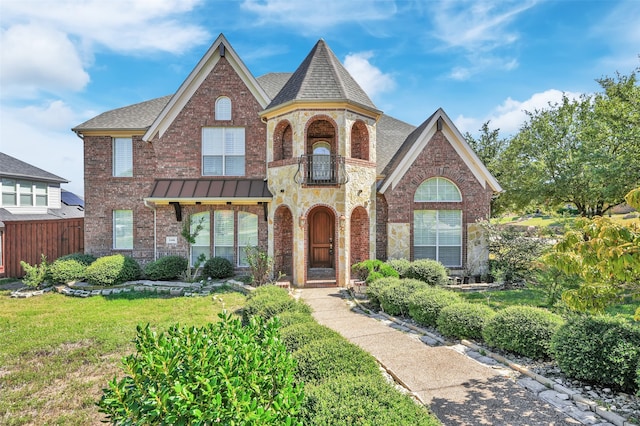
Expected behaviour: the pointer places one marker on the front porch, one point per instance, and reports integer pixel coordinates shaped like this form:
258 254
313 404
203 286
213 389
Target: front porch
316 278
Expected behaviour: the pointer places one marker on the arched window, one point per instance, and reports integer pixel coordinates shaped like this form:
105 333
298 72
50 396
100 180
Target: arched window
437 189
223 108
321 166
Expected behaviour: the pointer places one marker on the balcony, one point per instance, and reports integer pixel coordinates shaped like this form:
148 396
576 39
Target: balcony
321 169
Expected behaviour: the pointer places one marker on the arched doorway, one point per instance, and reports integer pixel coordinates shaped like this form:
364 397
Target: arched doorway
321 238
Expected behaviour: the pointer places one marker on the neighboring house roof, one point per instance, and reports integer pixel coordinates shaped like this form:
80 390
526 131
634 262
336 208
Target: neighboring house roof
14 168
418 140
133 117
71 199
321 77
176 190
219 48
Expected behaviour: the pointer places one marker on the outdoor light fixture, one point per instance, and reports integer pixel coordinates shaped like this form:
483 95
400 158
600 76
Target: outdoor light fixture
302 221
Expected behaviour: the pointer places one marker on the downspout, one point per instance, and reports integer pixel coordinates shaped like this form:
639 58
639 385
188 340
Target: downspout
155 241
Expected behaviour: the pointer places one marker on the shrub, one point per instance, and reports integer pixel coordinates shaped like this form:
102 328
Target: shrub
220 373
260 264
524 330
297 335
268 301
111 270
400 265
361 400
321 359
425 304
217 267
430 271
292 318
599 349
36 274
70 267
166 268
464 320
375 289
373 269
394 298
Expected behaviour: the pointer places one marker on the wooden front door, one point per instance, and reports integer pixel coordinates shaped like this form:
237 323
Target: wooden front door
321 238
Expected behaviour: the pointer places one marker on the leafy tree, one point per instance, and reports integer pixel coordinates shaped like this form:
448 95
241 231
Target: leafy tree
584 152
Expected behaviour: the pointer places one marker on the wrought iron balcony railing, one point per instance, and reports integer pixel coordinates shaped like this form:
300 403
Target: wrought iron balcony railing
321 170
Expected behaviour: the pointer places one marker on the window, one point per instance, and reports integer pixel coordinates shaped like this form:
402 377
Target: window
223 108
437 234
223 151
203 238
122 157
437 189
247 235
26 192
123 229
9 192
41 194
321 166
223 234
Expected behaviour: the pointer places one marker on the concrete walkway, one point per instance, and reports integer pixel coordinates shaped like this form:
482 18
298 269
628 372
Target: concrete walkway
458 389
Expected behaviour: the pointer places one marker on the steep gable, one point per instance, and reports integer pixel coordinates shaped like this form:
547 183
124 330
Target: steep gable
13 168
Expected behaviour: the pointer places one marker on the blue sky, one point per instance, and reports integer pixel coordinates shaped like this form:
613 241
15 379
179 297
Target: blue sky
63 62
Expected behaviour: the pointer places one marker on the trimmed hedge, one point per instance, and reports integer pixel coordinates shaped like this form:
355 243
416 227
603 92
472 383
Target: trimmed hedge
297 335
375 289
525 330
166 268
361 400
464 320
112 270
373 269
331 357
425 304
268 301
428 270
400 265
292 318
69 268
394 298
600 349
217 267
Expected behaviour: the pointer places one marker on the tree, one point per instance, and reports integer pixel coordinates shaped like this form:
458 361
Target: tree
584 152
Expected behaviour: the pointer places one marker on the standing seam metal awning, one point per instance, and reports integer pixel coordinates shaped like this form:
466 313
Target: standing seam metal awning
210 190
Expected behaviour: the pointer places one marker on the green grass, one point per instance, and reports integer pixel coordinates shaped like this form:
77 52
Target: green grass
57 352
500 299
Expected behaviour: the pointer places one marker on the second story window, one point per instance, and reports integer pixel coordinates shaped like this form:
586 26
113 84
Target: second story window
122 157
9 192
223 151
223 108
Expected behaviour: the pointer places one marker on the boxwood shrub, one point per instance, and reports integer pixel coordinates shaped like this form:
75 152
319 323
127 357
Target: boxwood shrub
288 318
425 304
600 349
361 400
400 265
373 269
166 268
268 301
464 320
375 288
112 270
331 357
394 298
217 267
524 330
69 268
428 270
222 373
297 335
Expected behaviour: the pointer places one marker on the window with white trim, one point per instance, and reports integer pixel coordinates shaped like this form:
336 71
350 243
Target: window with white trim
437 189
41 193
247 235
437 234
223 108
9 192
123 229
122 157
223 151
223 234
26 192
202 242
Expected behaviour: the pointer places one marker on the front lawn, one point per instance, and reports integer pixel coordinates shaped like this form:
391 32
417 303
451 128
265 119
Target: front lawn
57 352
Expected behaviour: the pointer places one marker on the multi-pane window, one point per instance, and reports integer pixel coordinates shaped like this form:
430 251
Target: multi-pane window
24 193
9 192
437 234
123 229
223 151
437 189
247 235
223 234
122 157
41 194
223 108
202 238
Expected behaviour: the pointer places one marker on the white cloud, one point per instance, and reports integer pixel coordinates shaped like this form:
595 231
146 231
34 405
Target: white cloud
296 13
372 80
510 115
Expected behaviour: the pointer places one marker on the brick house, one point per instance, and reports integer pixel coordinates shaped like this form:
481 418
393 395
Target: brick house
300 164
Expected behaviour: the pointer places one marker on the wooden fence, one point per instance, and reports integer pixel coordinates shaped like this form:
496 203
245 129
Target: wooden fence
29 240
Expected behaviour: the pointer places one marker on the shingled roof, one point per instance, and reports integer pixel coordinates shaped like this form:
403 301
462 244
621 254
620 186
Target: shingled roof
321 77
14 168
133 117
